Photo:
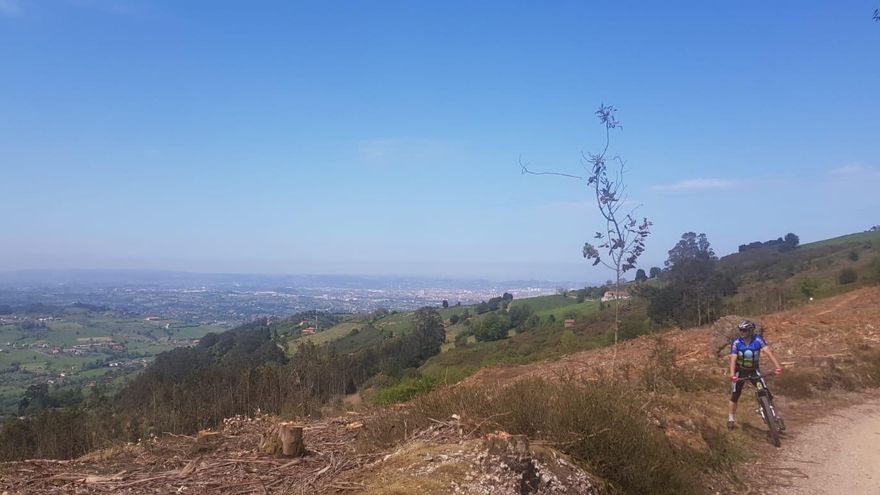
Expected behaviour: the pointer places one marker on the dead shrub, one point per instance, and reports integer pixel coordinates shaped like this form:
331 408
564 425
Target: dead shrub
601 424
868 363
661 372
795 383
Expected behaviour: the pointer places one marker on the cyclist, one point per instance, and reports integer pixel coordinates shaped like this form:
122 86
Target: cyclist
745 352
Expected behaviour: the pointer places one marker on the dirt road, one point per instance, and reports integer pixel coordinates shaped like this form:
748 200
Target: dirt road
837 454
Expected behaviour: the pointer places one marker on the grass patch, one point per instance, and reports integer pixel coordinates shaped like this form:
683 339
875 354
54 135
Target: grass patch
544 303
845 240
573 310
333 333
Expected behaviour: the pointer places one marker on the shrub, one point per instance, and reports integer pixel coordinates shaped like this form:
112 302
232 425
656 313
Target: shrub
808 287
600 424
405 390
847 276
853 256
492 327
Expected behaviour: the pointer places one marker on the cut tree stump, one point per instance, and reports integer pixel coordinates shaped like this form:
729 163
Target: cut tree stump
206 440
284 440
207 436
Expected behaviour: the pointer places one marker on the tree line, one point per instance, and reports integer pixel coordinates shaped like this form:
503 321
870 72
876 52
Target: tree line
694 289
782 244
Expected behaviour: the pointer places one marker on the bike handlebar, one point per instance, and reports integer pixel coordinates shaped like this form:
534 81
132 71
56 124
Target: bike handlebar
757 374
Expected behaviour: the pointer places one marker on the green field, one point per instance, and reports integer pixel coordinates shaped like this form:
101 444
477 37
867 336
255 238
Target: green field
37 354
861 237
544 303
396 324
341 334
561 307
333 333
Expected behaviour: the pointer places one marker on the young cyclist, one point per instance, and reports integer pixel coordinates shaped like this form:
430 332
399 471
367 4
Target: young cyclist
745 353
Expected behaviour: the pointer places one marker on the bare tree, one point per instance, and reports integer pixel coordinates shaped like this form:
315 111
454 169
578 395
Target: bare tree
623 239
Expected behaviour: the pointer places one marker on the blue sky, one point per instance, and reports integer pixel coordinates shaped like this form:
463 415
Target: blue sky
384 137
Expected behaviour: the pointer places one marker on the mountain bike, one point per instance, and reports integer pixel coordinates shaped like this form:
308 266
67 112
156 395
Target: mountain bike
765 405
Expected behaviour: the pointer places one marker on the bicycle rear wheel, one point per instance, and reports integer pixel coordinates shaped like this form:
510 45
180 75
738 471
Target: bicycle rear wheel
770 419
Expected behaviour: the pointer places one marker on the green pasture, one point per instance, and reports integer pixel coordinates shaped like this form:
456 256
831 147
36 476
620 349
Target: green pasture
333 333
399 323
861 237
544 303
575 310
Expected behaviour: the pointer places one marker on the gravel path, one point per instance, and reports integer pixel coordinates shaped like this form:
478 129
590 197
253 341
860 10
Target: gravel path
837 454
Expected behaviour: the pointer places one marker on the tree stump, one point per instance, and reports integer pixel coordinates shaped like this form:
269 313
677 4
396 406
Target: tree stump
284 440
207 436
206 440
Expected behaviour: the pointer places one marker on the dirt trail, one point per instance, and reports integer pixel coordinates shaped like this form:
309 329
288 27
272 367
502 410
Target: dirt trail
839 453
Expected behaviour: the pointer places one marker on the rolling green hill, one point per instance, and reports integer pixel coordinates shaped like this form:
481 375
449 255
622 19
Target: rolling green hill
769 280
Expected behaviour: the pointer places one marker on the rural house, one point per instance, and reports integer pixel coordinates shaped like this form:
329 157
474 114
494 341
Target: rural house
614 294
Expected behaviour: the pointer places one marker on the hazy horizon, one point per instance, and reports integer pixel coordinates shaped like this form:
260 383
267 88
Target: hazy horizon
90 274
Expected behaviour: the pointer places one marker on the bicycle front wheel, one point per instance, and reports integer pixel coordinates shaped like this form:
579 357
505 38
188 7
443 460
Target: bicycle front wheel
770 419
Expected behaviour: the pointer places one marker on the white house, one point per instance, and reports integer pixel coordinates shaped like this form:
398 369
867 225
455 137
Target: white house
613 294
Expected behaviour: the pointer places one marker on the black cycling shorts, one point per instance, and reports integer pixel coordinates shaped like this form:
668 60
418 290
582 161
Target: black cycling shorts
737 387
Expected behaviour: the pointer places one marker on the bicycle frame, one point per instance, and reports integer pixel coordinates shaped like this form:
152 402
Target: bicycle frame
765 403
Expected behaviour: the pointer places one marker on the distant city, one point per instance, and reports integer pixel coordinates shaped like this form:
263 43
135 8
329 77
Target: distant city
232 298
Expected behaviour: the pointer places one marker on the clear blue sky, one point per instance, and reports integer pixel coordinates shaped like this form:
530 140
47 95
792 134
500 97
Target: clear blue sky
384 137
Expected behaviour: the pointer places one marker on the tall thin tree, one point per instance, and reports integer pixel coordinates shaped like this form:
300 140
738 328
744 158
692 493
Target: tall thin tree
621 243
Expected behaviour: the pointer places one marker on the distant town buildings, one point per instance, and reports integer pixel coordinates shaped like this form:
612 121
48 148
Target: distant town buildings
612 295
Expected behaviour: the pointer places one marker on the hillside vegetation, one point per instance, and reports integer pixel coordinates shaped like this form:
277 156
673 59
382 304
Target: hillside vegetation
656 428
769 280
388 357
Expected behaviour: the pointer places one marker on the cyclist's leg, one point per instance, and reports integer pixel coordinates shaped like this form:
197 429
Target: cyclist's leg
735 391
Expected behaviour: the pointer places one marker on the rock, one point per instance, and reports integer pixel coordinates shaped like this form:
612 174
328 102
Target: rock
509 447
724 330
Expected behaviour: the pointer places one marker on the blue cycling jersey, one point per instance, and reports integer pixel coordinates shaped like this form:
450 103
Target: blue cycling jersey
747 354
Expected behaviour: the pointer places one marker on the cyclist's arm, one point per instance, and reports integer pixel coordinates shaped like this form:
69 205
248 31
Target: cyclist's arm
772 357
732 364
